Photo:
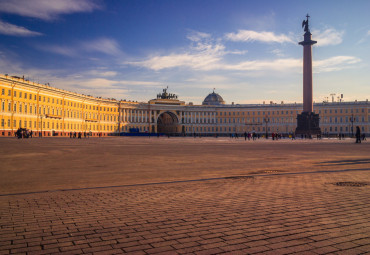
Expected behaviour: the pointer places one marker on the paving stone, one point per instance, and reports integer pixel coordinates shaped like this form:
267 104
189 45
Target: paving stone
303 213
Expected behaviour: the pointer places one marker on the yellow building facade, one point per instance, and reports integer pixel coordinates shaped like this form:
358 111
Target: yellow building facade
51 111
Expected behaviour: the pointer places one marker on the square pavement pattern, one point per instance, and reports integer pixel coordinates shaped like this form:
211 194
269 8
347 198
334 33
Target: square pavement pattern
304 213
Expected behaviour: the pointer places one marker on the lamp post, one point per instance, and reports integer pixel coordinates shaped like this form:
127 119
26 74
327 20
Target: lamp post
352 119
267 120
41 125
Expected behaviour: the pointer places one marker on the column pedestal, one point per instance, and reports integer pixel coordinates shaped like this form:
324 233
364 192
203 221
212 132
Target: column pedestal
308 124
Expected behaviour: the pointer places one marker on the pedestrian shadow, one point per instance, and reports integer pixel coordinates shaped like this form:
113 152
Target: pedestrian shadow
345 162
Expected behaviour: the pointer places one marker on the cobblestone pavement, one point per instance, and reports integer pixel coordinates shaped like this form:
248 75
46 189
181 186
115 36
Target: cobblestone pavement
305 213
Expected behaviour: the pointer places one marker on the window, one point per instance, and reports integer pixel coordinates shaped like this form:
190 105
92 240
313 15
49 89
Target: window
3 106
9 92
15 93
2 91
2 122
20 94
25 95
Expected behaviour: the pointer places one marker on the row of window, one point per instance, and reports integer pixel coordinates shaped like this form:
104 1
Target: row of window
53 125
42 110
346 119
30 96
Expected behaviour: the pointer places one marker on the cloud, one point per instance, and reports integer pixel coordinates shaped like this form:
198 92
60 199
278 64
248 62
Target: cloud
368 33
103 45
251 36
57 49
335 63
329 36
14 30
278 52
201 57
237 52
196 36
259 65
46 9
102 73
88 80
202 62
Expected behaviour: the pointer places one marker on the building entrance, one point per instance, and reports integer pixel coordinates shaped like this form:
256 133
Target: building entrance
167 123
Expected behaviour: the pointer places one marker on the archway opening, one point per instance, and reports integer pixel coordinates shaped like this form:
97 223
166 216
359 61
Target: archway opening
167 123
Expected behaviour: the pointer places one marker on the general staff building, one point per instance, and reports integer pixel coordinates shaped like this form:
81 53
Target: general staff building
50 111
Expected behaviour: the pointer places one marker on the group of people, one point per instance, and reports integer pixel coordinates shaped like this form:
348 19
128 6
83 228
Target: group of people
23 133
79 135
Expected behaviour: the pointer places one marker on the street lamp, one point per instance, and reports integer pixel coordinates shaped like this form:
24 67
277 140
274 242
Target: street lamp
352 119
41 125
267 120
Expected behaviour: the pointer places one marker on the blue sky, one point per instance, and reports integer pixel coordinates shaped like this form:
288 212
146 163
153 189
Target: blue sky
247 50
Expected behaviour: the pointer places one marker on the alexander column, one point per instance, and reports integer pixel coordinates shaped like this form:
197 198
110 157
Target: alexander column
307 121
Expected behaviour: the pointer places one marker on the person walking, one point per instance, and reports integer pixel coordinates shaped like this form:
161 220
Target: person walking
358 135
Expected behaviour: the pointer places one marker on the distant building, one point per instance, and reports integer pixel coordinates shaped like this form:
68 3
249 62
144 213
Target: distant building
56 112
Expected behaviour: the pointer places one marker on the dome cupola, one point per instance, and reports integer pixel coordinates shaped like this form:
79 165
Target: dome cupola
213 99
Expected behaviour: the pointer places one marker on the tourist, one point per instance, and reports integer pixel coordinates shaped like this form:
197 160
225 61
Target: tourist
358 135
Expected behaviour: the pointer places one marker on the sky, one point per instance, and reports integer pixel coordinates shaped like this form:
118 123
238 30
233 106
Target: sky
131 49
